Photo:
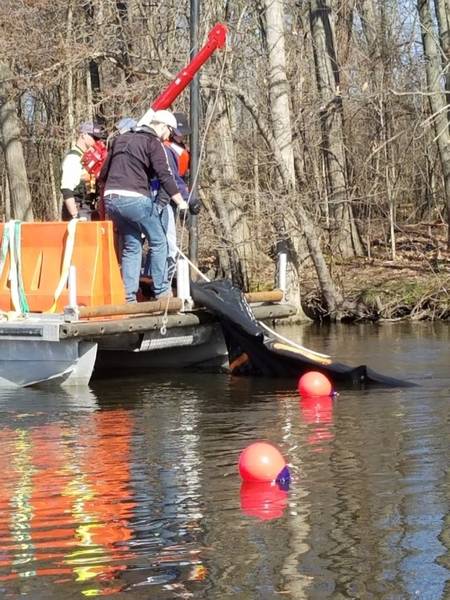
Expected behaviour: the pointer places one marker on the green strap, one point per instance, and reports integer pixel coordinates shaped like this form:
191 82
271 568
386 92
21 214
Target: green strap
23 299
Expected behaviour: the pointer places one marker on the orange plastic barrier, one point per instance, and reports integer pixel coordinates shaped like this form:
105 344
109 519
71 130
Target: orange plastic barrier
42 252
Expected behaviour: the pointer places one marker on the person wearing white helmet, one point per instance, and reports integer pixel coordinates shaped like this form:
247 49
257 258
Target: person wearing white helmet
135 158
178 157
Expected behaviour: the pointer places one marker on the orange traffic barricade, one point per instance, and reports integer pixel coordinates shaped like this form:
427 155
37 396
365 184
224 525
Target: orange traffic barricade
42 249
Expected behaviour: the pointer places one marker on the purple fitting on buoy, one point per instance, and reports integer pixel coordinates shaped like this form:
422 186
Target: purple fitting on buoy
283 478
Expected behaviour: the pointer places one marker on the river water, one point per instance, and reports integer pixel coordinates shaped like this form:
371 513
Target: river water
130 489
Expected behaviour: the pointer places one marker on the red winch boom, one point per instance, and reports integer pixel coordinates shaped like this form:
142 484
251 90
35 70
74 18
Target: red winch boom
93 159
217 38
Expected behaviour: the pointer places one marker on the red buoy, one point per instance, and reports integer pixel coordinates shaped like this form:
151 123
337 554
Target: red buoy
314 383
261 462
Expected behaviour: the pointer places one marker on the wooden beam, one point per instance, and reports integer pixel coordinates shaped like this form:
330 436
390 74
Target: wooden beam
137 308
269 296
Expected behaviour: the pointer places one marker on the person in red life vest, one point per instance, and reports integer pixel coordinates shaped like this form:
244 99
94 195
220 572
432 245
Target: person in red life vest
77 187
134 159
180 152
178 159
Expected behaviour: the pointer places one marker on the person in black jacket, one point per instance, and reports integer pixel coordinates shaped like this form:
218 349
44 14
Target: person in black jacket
135 158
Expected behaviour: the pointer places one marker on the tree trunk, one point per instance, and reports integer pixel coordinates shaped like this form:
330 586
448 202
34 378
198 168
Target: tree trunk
344 237
437 97
12 147
442 8
227 199
272 14
280 110
70 107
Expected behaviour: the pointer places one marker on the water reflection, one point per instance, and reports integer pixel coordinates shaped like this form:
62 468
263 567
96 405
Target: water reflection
317 413
95 498
133 489
65 497
266 501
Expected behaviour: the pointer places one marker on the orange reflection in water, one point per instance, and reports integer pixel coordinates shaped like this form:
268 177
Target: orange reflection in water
65 498
317 411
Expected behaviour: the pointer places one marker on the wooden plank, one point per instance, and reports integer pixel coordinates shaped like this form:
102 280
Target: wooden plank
267 296
141 323
139 308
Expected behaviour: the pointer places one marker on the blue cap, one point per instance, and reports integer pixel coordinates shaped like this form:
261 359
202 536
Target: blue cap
92 128
125 124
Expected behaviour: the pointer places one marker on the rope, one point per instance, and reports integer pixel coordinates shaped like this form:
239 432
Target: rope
191 264
11 241
290 342
163 329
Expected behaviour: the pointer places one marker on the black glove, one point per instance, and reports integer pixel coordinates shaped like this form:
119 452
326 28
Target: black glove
183 214
195 206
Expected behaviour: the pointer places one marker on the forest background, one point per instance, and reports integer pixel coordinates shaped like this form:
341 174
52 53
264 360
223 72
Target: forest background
324 133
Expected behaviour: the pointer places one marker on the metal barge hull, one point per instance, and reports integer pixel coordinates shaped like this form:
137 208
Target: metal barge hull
40 348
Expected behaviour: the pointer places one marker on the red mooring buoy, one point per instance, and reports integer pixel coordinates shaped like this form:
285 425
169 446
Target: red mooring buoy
314 383
261 461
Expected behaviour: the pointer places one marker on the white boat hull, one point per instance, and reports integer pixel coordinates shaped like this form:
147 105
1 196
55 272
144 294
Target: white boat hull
30 362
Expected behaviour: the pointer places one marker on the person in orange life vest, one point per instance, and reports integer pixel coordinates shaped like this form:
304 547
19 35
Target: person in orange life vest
77 188
178 158
181 154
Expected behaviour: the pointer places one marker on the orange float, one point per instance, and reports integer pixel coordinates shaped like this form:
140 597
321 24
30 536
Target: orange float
314 383
262 462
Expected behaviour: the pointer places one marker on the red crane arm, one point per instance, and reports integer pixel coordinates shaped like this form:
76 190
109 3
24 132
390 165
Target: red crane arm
217 38
94 158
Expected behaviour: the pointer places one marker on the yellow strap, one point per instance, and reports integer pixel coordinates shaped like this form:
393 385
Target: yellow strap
310 354
68 252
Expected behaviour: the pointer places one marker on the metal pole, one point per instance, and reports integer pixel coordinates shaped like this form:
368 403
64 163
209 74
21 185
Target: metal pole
194 122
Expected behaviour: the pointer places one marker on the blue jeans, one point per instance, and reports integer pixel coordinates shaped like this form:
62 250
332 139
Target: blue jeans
168 222
134 216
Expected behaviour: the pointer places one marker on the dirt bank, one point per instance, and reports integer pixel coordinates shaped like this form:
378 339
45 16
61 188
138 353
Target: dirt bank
414 286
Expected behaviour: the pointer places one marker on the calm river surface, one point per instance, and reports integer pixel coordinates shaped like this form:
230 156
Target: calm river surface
130 489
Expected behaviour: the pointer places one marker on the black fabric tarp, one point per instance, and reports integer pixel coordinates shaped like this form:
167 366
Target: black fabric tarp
252 351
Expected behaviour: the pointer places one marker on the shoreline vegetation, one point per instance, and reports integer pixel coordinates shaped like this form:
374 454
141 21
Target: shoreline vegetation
324 134
415 286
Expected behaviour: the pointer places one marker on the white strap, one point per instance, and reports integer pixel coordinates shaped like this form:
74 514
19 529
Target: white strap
14 282
67 260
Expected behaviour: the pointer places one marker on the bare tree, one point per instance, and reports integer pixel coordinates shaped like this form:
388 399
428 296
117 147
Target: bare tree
344 235
19 190
438 104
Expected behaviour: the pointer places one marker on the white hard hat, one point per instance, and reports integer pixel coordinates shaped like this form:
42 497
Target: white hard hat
166 117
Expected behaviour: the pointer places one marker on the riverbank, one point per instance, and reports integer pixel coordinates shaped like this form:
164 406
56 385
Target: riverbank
414 286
